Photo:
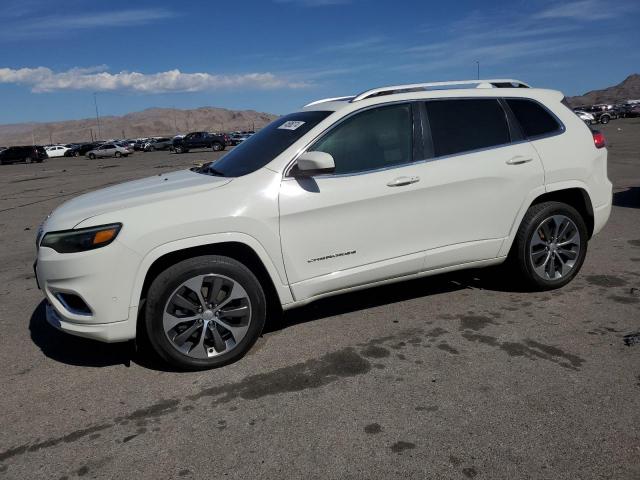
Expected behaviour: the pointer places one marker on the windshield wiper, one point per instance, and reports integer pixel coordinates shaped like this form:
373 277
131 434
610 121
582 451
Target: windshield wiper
207 169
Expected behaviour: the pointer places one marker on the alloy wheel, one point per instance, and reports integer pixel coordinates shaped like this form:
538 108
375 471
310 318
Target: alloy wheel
206 316
554 247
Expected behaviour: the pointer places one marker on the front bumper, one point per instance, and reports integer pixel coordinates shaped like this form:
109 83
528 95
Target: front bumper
104 332
102 279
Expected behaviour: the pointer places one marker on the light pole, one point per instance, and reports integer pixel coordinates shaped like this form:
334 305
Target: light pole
478 69
95 101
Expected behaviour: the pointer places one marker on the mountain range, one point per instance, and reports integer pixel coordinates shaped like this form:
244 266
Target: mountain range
149 122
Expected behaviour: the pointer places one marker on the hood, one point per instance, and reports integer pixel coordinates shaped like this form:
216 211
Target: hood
130 194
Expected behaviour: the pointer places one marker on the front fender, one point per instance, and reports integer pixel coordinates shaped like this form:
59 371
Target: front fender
282 288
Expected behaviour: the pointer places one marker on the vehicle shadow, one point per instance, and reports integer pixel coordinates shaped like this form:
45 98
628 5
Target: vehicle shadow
493 278
629 198
83 352
78 351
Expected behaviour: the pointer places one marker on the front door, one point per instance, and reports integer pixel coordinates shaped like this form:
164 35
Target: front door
353 227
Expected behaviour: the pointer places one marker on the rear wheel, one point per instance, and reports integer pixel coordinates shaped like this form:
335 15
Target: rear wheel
178 149
92 156
217 146
605 119
204 312
118 155
551 245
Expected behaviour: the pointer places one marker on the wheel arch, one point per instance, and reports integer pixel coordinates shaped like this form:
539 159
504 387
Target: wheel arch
246 250
574 193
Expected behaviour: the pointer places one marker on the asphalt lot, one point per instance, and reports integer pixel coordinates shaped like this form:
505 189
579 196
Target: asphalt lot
455 376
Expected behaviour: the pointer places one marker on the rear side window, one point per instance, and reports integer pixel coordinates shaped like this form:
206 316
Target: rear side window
459 126
377 138
534 119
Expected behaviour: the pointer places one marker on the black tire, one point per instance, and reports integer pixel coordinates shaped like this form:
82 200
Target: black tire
76 154
604 119
117 155
217 147
177 149
28 160
520 256
166 283
92 156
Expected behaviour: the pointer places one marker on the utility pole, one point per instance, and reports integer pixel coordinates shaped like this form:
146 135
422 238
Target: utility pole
95 101
478 69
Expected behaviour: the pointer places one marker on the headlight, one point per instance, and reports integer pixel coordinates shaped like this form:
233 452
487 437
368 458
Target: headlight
82 239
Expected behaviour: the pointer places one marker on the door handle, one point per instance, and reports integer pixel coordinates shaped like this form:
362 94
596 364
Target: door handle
518 160
402 181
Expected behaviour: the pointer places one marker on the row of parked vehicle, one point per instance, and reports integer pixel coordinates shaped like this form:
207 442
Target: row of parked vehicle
604 113
124 148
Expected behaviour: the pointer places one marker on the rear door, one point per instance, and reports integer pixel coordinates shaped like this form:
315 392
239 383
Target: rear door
479 175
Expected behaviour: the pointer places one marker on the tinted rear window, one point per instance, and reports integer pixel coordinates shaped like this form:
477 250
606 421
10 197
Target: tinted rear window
259 149
462 125
534 119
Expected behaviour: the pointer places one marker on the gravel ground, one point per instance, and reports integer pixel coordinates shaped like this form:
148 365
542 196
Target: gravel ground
454 376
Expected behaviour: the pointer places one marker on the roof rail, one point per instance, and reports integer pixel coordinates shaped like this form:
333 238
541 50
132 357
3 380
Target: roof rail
332 99
492 83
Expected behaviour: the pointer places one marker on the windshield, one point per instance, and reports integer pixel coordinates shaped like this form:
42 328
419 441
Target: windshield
259 149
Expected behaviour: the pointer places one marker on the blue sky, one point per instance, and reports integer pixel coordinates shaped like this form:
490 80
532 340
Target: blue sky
276 55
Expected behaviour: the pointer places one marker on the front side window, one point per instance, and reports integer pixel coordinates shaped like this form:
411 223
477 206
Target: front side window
459 126
534 119
377 138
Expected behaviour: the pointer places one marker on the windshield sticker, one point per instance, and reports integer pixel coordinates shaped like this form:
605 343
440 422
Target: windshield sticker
291 125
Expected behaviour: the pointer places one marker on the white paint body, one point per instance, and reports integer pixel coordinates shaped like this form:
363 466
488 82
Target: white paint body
464 211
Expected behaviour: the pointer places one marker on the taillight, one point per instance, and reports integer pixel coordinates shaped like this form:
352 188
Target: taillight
598 139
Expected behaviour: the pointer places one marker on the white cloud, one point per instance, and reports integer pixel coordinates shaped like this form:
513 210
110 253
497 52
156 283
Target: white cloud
583 10
43 79
32 25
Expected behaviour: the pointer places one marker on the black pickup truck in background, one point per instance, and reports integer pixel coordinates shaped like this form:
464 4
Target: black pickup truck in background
199 140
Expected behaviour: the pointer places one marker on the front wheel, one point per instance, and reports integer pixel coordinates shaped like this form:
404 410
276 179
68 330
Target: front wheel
217 146
118 155
605 119
204 312
551 245
178 149
92 156
76 154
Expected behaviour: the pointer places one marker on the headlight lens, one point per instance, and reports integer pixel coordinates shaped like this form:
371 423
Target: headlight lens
82 239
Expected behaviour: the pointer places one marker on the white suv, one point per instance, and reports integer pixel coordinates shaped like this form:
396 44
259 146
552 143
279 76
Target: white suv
391 184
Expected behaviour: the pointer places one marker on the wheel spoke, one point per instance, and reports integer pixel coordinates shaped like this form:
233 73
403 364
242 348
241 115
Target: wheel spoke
573 240
200 350
560 263
570 254
218 342
195 285
237 331
237 312
562 231
184 303
214 290
184 336
236 292
170 321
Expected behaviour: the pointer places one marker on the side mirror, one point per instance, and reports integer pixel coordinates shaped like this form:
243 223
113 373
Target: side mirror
313 163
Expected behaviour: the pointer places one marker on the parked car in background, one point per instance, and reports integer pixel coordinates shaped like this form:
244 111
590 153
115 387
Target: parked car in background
56 151
238 138
27 154
633 111
108 150
585 116
139 144
161 143
601 113
124 145
81 149
195 140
